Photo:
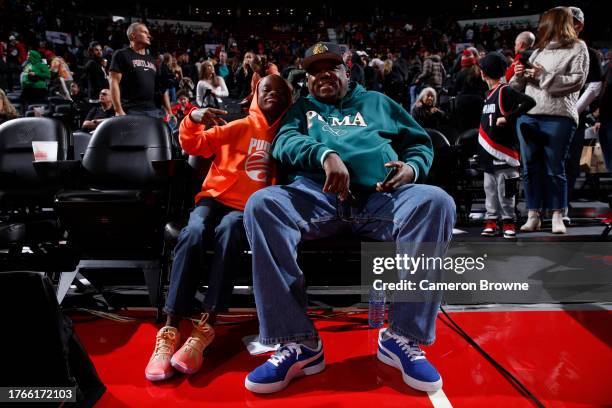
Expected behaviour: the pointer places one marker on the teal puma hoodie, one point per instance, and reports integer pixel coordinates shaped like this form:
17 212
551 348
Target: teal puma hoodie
367 129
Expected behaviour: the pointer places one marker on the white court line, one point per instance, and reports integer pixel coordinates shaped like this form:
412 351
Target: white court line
439 399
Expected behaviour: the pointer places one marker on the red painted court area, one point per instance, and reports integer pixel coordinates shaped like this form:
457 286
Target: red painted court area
564 358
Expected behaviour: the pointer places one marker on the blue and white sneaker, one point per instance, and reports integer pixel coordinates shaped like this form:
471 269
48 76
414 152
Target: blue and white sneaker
406 355
292 360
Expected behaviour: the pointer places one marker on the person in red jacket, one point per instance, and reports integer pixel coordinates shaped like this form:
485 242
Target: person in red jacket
522 50
242 165
182 107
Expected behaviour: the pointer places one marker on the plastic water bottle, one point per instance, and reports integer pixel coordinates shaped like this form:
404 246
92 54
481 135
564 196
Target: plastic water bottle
376 308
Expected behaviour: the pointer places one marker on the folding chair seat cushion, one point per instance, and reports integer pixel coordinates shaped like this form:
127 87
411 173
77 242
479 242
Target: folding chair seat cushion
11 232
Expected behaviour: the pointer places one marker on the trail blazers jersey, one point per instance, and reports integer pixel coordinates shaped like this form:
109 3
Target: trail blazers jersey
499 143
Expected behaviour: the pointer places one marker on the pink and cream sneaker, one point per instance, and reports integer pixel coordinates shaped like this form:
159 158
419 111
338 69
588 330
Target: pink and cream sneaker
188 359
159 367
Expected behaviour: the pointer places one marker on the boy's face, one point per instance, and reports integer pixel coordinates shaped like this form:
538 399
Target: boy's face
272 96
183 101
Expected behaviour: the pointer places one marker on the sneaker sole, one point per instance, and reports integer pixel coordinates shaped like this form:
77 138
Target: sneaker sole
412 382
158 377
183 369
295 371
488 234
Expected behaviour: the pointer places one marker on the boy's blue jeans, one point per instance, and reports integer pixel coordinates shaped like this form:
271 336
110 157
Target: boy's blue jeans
215 226
278 218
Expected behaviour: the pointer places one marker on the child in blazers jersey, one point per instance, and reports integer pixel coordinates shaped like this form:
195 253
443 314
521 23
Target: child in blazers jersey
499 154
242 165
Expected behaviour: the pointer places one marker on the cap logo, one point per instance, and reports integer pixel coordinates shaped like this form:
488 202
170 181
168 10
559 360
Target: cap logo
319 49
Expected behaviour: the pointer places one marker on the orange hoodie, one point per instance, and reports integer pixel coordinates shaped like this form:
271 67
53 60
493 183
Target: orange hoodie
243 161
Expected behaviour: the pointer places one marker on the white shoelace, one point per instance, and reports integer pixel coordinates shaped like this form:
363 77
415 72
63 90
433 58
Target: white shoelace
285 352
411 349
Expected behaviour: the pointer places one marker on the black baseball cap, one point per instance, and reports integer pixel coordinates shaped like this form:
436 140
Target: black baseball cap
322 51
493 64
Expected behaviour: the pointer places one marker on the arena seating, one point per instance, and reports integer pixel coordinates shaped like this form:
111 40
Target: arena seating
24 194
115 210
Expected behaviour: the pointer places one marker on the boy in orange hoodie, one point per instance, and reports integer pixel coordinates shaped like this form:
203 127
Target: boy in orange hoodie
242 165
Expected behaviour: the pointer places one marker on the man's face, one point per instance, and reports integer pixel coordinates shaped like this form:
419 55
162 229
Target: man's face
104 96
347 56
97 51
578 26
141 35
327 81
222 58
74 88
518 46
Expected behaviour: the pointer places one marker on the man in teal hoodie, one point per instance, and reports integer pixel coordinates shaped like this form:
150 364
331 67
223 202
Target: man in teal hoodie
34 79
339 144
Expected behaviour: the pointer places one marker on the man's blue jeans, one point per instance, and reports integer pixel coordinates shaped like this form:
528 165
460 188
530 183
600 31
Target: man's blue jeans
278 218
545 142
605 139
214 226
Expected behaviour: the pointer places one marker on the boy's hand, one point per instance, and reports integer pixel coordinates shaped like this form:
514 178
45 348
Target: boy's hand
337 176
501 121
404 175
208 116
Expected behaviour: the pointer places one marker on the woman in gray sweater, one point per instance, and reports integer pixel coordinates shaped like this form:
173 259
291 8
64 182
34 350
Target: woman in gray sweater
553 77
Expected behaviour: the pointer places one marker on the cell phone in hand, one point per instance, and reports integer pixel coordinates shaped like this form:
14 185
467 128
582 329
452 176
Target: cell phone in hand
525 62
390 175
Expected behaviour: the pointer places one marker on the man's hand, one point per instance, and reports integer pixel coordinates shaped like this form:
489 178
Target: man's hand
208 116
519 70
501 121
404 175
596 127
337 176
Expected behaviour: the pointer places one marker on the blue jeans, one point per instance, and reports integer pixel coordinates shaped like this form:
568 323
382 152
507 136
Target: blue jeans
572 163
278 218
545 142
414 92
605 139
211 225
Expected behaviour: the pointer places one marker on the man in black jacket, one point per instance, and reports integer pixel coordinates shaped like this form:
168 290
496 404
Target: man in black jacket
94 75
